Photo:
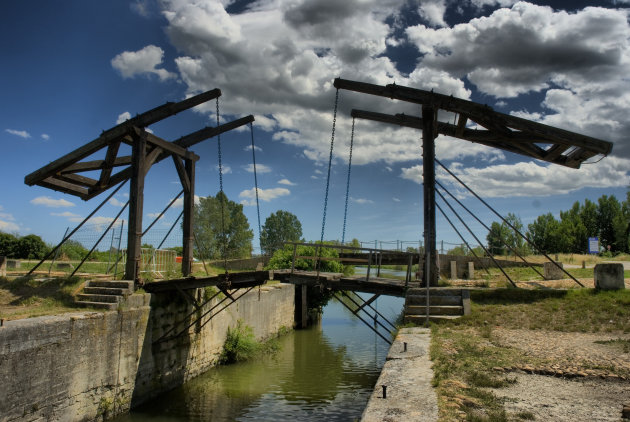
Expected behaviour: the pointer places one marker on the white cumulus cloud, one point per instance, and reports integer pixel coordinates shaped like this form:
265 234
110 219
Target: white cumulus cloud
249 195
260 168
286 182
123 117
21 133
47 201
144 61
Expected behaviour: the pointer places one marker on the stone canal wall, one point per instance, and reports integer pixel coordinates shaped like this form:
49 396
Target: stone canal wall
90 366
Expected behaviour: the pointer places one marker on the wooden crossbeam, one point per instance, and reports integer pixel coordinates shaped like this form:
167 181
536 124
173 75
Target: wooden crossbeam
95 165
500 124
517 142
62 186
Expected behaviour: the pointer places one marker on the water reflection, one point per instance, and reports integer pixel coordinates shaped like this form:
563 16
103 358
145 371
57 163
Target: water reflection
326 372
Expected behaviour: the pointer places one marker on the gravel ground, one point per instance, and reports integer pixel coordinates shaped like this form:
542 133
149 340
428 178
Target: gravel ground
557 399
580 380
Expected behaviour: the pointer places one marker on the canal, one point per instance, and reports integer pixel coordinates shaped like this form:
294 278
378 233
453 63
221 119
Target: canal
324 373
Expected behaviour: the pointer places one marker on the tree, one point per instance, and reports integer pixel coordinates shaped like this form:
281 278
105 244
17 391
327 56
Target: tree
283 258
279 227
8 245
220 232
513 239
621 227
574 235
31 247
497 237
608 208
73 250
544 232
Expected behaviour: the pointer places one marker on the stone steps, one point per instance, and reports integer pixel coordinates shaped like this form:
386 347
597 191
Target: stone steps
105 294
444 304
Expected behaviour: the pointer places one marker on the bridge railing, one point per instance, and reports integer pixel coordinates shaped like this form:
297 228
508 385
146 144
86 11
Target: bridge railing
358 255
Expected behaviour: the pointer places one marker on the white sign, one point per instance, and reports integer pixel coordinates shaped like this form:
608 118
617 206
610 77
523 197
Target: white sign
593 245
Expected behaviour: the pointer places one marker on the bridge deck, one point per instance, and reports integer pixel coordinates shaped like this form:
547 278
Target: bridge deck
231 281
334 281
356 283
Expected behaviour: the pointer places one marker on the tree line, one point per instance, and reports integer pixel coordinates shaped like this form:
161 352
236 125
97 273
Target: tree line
608 220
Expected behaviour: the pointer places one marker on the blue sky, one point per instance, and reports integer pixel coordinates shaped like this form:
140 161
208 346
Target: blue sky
74 68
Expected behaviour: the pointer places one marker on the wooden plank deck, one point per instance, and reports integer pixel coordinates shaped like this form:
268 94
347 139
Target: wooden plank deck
231 281
334 281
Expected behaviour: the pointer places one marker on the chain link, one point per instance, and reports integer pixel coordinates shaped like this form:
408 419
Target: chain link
345 212
251 129
222 195
332 143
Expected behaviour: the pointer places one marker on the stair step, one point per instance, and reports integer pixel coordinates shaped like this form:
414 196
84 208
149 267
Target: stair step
420 319
98 305
83 297
120 284
434 310
433 300
434 291
114 291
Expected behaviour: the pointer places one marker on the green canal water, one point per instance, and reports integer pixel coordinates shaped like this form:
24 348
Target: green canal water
323 373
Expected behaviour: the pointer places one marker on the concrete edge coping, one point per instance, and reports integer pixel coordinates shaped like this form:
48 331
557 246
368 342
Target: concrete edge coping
409 393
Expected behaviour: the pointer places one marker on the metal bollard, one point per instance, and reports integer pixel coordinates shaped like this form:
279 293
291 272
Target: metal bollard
384 391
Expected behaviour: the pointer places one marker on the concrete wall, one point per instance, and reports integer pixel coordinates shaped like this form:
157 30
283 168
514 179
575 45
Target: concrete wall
88 366
480 263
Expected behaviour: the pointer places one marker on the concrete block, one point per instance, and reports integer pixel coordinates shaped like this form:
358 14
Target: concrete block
552 272
453 270
609 276
3 266
471 270
13 263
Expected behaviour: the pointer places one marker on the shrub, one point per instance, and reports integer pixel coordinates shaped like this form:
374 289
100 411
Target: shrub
240 344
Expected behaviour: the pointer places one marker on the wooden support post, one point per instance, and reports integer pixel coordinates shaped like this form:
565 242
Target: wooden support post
189 208
429 115
136 200
304 306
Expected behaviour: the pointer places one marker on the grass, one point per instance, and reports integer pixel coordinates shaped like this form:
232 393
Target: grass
464 352
622 344
27 297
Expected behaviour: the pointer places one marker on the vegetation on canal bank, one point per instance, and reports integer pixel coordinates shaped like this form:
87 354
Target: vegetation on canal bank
465 351
241 344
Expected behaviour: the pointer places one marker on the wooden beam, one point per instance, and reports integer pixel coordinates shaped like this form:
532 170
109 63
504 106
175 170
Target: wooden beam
478 112
189 213
208 132
95 165
77 179
461 125
110 157
517 142
142 120
428 183
62 186
171 147
181 171
136 201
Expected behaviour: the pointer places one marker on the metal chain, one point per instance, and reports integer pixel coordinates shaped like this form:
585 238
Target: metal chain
222 195
345 212
251 129
332 142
